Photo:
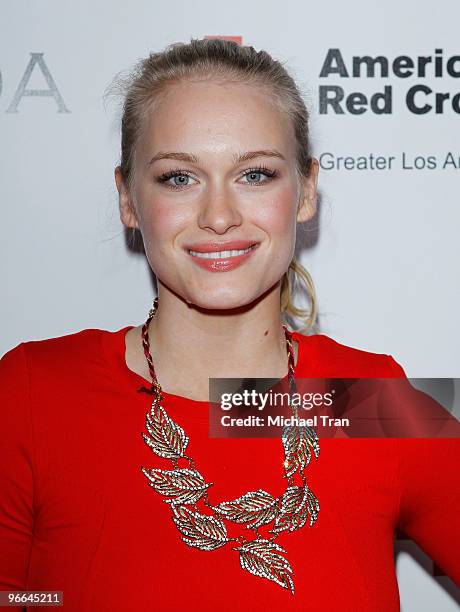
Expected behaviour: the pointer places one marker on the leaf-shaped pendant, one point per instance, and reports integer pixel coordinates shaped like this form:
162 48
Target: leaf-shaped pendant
257 506
202 531
298 441
296 503
184 485
313 506
257 557
167 439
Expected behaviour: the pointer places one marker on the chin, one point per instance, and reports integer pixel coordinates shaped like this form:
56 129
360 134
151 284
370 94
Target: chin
223 301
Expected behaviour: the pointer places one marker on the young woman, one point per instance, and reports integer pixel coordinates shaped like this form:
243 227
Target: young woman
102 428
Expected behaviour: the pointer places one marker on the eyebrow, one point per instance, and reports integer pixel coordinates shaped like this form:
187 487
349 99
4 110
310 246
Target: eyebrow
237 159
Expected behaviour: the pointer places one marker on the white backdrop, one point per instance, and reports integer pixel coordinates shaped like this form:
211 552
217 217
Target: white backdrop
385 253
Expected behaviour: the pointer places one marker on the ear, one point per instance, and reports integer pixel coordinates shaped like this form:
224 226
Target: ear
309 195
127 211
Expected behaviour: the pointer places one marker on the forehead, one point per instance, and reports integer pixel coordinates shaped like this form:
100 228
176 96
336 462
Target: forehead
208 117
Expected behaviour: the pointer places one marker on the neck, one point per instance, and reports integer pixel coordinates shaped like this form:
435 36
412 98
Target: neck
189 345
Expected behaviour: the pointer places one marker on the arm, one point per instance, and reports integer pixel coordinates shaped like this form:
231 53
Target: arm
430 499
429 511
16 471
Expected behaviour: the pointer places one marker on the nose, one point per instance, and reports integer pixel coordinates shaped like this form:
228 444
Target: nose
219 210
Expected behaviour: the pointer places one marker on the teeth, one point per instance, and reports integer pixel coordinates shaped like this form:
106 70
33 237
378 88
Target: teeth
220 254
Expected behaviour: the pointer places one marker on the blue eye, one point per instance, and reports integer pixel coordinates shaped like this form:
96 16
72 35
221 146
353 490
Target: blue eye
165 177
261 170
183 175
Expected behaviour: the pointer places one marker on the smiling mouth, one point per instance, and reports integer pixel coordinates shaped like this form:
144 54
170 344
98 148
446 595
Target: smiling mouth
222 254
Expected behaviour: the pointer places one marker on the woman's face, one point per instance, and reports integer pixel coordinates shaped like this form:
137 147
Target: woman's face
213 198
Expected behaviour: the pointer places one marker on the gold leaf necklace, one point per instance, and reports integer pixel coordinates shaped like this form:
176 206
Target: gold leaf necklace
182 488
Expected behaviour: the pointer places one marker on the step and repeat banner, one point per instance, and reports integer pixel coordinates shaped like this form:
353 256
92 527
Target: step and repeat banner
382 82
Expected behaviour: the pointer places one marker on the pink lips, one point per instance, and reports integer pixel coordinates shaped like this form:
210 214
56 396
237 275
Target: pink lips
229 245
222 264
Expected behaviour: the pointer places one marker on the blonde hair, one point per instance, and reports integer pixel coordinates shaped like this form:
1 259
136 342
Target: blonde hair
224 59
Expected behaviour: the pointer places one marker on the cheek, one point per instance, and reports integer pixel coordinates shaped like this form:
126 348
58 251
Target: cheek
161 222
277 218
278 214
158 227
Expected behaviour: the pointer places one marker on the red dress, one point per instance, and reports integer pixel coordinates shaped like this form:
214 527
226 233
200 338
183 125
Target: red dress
77 514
